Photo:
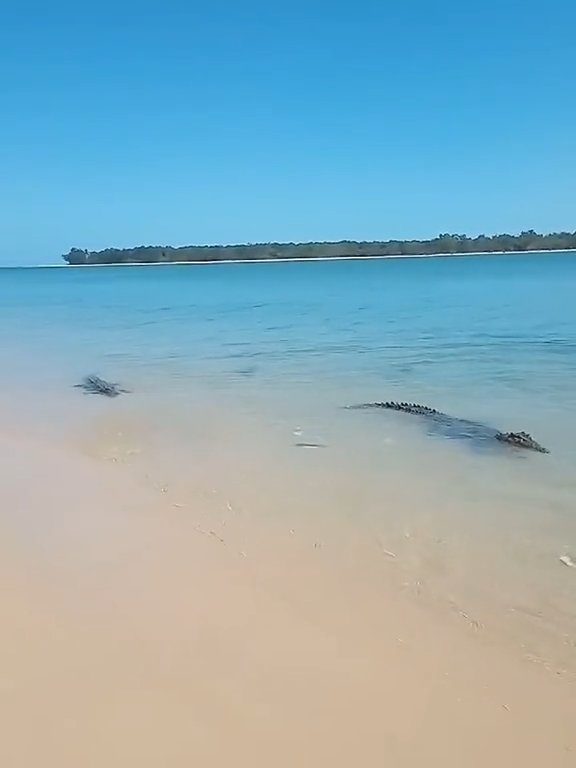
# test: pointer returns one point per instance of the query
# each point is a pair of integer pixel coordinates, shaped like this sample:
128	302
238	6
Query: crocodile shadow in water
94	385
453	427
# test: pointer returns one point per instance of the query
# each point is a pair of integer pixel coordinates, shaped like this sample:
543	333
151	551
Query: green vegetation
443	244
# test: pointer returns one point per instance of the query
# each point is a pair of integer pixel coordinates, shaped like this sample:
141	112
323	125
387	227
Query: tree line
443	244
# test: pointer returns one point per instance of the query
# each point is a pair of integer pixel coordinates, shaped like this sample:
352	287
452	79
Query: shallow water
232	366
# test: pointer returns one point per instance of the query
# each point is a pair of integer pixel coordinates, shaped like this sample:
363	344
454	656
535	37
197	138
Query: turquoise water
478	336
487	318
284	346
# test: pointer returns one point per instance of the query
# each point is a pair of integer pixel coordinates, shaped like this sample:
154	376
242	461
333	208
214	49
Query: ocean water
240	373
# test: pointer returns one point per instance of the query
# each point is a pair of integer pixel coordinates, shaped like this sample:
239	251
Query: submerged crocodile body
451	426
94	385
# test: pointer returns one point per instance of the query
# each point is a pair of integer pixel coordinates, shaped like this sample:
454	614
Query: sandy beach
320	514
134	632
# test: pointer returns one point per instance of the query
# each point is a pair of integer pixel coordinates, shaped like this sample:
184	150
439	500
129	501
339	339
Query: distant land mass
443	244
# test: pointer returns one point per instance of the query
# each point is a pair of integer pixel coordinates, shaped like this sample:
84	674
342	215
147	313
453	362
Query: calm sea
276	350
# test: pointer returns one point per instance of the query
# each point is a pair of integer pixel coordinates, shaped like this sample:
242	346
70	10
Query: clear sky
126	123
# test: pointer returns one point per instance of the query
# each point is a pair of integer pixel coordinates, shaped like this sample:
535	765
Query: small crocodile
94	385
451	426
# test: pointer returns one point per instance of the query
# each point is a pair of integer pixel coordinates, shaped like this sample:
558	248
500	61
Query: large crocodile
94	385
451	426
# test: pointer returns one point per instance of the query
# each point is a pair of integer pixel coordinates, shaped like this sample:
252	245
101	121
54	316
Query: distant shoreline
442	245
206	262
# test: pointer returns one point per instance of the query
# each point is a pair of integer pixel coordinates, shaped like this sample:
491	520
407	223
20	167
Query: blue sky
184	122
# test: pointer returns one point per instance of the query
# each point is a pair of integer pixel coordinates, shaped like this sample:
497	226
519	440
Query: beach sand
137	633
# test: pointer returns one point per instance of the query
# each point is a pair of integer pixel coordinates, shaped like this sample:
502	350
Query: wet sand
142	626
